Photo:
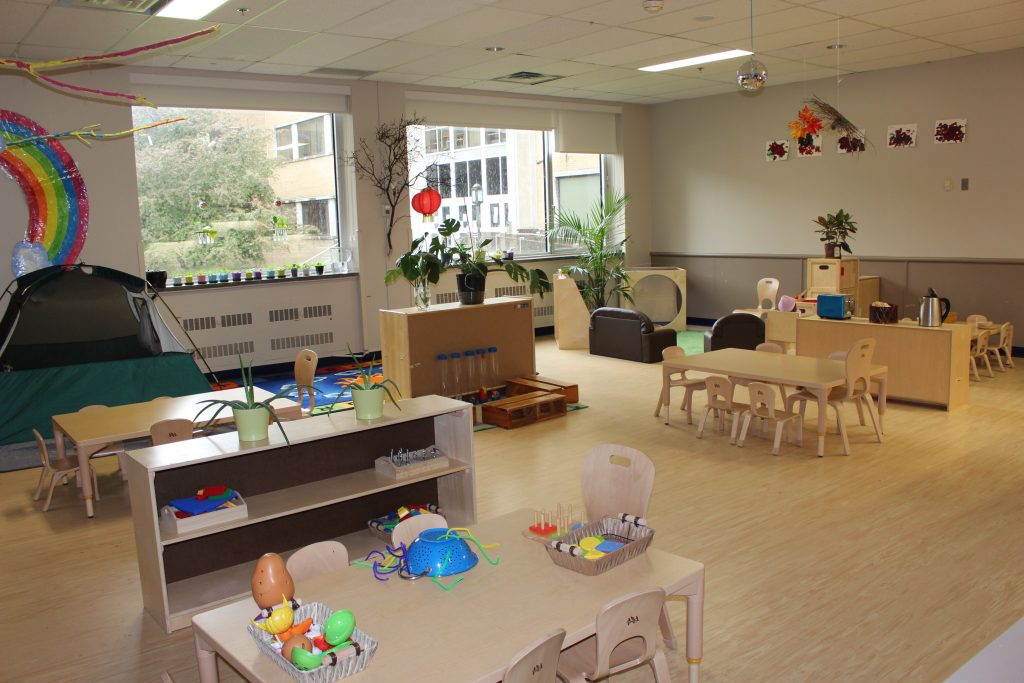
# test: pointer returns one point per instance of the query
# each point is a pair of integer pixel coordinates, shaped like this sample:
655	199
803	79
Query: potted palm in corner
598	270
252	417
835	230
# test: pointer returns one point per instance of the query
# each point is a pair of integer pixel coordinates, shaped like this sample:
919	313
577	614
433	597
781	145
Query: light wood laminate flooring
896	563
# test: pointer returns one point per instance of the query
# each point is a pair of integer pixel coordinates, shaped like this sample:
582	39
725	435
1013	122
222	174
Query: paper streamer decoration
33	68
58	204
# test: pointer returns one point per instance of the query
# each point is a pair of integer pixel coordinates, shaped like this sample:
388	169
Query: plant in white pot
252	417
368	394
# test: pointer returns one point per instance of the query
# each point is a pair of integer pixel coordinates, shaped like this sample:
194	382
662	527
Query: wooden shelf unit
322	487
411	340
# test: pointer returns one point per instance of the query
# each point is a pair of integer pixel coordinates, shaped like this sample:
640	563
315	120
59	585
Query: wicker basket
565	552
379	525
346	666
886	315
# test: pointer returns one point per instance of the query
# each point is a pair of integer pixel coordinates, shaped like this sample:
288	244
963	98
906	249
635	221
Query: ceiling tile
276	69
18	20
826	33
935	55
228	12
544	32
607	39
395	77
314	16
737	33
567	68
853	8
493	66
250	44
973	35
400	17
96	30
903	47
386	56
968	20
192	62
923	10
617	12
818	49
442	62
644	53
445	82
1007	43
556	8
471	26
322	49
719	11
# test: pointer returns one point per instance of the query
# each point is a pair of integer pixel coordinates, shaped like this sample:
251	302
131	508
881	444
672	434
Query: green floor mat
692	341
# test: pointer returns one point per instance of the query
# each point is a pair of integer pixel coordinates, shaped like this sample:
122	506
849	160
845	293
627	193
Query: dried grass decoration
834	119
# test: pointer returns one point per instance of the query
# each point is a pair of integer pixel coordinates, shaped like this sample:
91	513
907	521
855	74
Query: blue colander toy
439	552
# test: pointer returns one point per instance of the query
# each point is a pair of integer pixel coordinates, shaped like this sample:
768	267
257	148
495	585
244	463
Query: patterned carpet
331	383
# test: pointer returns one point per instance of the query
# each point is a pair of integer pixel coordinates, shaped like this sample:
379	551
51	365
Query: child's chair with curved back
316	559
626	638
620	479
538	661
410	528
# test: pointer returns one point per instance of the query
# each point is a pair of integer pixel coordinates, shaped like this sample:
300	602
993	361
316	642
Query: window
520	179
233	190
304	139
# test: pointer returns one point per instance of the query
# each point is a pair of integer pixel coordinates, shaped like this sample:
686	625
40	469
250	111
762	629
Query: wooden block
570	391
517	411
524	385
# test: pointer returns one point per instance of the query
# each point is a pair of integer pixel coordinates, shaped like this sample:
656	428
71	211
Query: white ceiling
596	45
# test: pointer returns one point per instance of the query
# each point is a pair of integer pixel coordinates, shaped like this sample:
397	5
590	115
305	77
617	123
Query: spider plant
599	267
250	402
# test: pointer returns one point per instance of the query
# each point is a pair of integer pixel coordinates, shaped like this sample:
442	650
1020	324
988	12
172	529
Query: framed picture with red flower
902	136
776	150
950	131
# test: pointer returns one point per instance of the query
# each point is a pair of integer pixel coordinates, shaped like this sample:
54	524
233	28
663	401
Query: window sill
264	281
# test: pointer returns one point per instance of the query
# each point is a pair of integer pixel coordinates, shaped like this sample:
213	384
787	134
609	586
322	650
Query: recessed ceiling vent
351	74
527	78
130	6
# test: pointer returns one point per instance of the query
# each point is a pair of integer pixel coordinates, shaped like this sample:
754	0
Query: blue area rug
331	384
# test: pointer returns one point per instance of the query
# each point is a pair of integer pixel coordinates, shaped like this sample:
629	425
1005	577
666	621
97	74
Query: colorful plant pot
236	276
369	403
280	272
224	277
319	270
271	274
202	279
188	279
257	274
295	272
252	424
178	280
248	275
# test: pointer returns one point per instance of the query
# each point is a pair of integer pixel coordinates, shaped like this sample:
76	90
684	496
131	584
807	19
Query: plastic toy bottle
482	380
471	382
455	358
494	374
442	364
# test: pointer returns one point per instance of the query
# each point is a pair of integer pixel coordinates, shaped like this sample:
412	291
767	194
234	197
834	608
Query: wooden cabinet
324	486
411	340
926	364
833	275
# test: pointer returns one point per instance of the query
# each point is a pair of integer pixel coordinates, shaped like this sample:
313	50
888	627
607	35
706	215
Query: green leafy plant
598	270
250	401
427	260
836	229
365	381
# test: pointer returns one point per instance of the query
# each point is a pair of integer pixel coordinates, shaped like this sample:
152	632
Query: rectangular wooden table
470	634
91	430
817	375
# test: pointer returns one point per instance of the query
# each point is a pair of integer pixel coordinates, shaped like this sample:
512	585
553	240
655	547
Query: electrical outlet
947	185
386	210
965	184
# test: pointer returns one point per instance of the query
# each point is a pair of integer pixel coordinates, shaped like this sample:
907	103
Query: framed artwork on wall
776	150
901	136
950	131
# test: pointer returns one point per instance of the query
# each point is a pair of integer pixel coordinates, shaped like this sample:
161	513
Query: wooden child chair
58	469
410	528
675	377
980	352
1003	346
305	370
626	638
720	391
538	661
169	431
316	559
762	405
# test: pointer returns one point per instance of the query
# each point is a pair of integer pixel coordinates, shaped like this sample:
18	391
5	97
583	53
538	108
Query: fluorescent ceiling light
692	61
189	9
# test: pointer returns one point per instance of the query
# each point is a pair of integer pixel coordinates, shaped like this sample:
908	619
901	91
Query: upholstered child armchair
735	331
628	334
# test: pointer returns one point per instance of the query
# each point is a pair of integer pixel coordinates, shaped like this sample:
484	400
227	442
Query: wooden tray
518	411
525	385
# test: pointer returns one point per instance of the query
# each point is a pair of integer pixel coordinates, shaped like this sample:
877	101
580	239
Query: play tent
79	335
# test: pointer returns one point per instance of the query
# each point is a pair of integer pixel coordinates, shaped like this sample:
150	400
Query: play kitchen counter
323	486
926	364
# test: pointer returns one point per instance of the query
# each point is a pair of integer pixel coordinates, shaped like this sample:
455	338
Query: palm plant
599	267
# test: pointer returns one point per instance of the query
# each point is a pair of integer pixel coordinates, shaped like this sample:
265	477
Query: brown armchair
735	331
628	334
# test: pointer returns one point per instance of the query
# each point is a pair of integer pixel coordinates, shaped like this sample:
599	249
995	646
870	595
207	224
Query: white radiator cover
268	322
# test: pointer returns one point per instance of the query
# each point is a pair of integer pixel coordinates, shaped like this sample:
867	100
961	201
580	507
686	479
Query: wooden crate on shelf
524	409
524	385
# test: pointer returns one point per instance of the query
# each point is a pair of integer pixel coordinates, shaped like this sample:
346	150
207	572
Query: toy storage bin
346	666
627	527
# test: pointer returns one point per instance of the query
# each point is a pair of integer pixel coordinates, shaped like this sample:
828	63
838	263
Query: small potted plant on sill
252	418
281	272
213	278
224	276
188	278
236	276
249	274
257	274
295	269
201	277
368	393
178	280
305	269
835	230
319	267
271	273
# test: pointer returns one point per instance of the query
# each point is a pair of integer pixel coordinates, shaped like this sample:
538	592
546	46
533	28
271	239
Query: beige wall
715	193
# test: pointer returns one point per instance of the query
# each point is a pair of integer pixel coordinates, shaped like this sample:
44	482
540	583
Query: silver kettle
934	310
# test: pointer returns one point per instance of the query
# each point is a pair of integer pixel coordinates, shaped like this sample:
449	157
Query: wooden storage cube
833	275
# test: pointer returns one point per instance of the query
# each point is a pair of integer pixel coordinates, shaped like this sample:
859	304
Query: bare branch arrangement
385	162
833	118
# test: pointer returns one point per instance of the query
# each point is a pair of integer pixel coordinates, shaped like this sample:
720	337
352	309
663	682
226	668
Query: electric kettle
934	310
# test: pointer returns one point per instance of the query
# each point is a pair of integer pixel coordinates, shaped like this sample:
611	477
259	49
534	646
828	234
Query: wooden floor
897	563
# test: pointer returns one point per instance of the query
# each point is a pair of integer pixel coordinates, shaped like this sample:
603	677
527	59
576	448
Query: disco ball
752	75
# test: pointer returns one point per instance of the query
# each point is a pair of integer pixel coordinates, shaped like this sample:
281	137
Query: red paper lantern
427	202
